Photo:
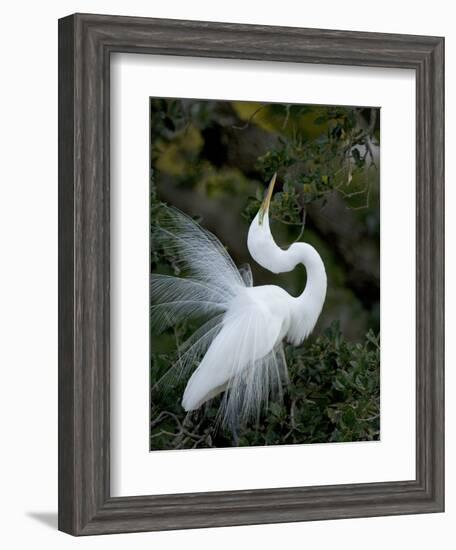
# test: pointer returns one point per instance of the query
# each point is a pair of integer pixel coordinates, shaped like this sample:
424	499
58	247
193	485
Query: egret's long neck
306	308
303	253
268	254
308	305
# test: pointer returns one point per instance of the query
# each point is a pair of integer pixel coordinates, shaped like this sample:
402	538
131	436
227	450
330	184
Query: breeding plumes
239	345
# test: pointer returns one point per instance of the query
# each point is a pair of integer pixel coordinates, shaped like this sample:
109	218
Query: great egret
240	344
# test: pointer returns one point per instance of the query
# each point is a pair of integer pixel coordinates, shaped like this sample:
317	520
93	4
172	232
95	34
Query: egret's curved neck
303	253
308	305
306	308
268	254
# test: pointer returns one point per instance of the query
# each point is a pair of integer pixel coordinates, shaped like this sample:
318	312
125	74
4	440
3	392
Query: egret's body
241	345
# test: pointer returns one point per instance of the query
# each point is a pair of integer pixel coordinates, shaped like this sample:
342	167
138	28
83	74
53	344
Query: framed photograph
251	289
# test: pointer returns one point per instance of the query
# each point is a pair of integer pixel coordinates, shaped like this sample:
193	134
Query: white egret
240	344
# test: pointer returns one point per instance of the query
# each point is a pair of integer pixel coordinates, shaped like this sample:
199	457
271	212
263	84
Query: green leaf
275	409
349	417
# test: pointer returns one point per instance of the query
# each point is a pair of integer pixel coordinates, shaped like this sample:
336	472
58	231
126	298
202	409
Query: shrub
333	395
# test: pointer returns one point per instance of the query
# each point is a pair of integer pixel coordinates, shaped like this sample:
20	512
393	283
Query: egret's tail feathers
250	394
246	359
246	395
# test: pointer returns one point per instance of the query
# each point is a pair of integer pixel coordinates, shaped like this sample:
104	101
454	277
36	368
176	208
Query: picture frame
85	45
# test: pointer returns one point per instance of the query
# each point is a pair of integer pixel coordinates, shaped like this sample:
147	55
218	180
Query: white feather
250	333
240	344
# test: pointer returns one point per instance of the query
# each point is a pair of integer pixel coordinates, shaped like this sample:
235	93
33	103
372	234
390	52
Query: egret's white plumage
240	343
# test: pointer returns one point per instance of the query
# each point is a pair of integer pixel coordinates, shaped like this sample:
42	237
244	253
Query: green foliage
333	396
334	156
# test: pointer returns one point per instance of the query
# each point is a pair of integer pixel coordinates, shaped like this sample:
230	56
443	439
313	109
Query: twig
292	414
287	116
303	225
249	120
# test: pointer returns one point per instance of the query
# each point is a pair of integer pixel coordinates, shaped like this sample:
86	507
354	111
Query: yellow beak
267	199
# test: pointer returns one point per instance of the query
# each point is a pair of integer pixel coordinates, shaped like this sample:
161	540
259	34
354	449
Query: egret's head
260	241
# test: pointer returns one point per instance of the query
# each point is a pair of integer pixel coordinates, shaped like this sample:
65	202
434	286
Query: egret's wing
212	282
197	251
246	357
212	279
175	299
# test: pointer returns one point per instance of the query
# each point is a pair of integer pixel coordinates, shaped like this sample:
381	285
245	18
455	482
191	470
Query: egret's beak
267	199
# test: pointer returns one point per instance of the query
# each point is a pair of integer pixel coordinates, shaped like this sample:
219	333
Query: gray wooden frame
85	45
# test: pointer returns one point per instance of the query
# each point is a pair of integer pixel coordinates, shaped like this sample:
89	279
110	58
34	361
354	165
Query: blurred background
213	160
